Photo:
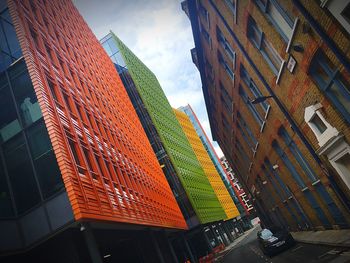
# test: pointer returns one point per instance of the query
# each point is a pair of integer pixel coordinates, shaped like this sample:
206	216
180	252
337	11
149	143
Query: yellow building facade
207	165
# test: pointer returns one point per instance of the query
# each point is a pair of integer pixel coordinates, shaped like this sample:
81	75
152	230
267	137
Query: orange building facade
109	171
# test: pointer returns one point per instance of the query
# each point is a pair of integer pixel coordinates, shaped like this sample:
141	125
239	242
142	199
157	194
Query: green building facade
191	175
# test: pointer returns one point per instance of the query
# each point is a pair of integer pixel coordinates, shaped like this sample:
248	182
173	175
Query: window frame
251	107
252	26
335	78
264	8
233	7
247	79
225	65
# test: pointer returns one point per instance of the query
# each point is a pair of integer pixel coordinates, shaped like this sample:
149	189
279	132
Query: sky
160	34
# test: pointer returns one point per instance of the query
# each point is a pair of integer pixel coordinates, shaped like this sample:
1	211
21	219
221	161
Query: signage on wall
291	63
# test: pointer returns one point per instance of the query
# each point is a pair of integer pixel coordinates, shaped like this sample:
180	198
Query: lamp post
260	99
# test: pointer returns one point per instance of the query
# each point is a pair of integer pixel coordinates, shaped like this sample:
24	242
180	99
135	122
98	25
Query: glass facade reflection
9	46
28	168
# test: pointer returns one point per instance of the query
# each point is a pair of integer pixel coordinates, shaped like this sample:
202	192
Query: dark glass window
319	124
9	124
26	100
44	159
9	46
12	41
6	209
21	174
74	151
331	82
346	13
3	5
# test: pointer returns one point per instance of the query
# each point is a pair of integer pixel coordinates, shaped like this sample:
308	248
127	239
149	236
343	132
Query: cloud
160	34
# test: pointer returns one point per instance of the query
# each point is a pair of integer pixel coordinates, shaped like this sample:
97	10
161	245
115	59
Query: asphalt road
248	251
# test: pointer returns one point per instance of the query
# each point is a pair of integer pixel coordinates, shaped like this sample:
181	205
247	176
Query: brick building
275	78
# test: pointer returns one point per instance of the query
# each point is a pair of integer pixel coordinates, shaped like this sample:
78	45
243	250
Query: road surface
248	251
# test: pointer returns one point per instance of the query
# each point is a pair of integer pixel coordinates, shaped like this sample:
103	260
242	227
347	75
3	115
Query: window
328	78
318	123
246	128
24	187
304	224
25	97
206	36
242	152
6	209
44	159
288	164
332	207
226	46
248	142
250	106
323	131
205	14
253	87
9	45
319	212
232	6
226	66
9	124
297	154
74	151
340	9
278	16
273	182
226	99
344	162
277	177
209	71
226	124
257	37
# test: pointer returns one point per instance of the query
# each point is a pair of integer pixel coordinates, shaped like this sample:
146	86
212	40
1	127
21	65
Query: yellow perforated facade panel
207	165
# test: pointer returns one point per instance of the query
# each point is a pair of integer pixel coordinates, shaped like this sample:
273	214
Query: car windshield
265	234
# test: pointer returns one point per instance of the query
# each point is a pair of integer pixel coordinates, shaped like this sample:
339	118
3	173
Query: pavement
326	237
246	249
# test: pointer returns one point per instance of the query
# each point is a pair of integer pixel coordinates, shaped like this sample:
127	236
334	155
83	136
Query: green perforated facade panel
188	168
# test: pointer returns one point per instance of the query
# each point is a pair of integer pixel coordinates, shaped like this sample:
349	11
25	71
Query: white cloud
160	34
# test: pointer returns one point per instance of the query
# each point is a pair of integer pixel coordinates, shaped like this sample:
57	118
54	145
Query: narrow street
248	251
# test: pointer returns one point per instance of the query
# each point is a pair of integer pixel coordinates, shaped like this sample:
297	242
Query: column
91	243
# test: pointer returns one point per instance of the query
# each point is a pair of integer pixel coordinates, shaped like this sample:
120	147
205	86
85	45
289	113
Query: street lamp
260	99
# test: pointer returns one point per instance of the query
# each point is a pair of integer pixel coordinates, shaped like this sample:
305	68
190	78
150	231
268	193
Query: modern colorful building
196	197
207	165
275	77
79	180
215	159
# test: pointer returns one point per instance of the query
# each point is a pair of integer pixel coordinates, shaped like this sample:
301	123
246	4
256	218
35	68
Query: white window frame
328	134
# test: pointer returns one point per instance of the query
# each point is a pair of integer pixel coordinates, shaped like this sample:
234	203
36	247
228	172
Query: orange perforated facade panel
108	166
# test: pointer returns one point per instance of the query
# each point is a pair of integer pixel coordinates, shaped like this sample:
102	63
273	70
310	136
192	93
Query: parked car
274	240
